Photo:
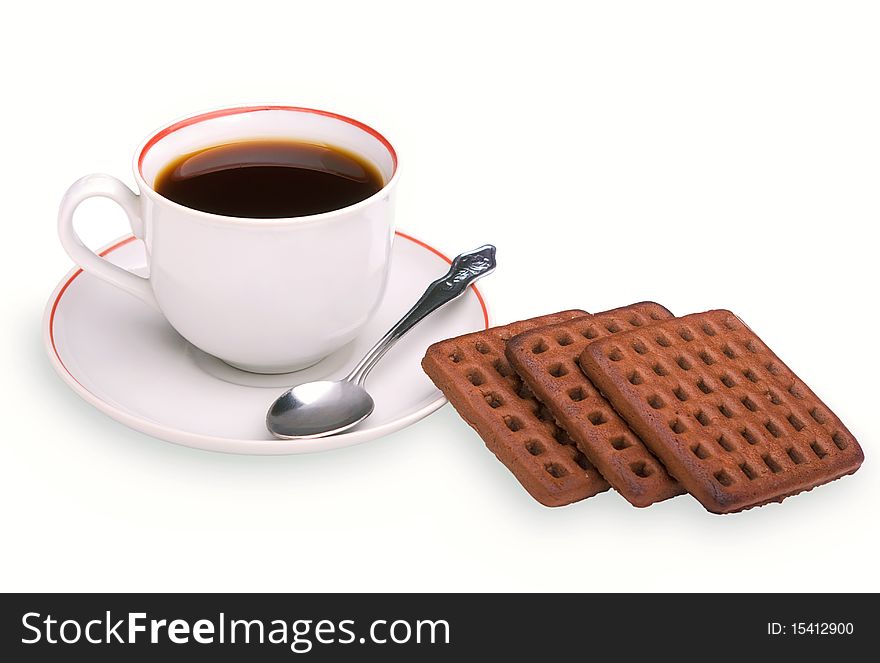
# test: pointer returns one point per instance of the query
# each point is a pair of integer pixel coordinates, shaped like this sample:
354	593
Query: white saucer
123	358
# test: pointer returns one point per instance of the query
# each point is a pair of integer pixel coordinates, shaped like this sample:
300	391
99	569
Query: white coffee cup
264	295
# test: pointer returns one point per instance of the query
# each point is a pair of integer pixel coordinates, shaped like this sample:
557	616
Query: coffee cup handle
103	186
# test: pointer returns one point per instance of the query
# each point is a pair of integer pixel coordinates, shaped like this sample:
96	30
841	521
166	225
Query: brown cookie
473	373
546	359
729	420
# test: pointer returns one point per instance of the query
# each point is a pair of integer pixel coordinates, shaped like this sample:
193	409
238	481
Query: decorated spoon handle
465	269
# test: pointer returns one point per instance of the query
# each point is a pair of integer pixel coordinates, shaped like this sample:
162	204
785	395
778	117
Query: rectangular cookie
729	420
473	373
546	359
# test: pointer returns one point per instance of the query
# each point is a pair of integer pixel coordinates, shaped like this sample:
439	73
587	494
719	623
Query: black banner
325	627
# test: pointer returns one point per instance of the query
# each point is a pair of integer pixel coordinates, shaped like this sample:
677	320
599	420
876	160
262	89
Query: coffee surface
268	179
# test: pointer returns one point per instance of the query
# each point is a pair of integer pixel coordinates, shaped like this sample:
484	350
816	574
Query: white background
700	154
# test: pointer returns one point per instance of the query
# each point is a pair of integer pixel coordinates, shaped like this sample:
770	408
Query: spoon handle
465	269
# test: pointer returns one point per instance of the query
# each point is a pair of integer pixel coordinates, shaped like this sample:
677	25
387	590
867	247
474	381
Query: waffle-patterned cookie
729	420
473	373
546	359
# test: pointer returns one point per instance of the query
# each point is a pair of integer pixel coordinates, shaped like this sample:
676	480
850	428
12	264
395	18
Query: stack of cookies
651	405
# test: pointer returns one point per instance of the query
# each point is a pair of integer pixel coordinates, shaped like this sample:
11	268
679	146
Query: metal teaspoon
318	409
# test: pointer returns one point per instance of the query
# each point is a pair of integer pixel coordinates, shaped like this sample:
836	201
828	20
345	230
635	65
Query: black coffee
269	179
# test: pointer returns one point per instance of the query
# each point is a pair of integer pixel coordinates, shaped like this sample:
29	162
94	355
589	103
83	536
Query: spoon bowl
316	409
